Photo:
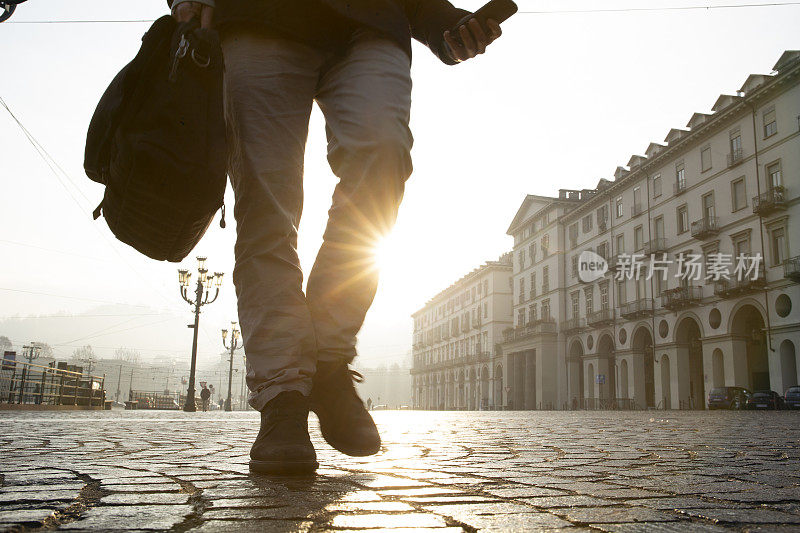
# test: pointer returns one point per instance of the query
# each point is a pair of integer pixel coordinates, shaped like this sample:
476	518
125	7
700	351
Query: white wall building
728	184
456	363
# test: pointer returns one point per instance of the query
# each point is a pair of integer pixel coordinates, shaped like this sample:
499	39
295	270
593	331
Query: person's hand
473	39
184	12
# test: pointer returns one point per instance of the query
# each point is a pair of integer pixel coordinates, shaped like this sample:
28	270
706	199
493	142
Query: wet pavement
437	471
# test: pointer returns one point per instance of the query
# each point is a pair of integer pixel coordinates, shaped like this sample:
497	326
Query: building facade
456	360
726	187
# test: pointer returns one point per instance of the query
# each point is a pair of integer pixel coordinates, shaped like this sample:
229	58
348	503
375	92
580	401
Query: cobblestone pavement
620	471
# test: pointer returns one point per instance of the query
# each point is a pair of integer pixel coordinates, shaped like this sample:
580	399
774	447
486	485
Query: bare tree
5	343
45	350
128	355
84	353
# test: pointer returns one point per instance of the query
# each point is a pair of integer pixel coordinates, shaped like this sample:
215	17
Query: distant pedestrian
369	404
205	395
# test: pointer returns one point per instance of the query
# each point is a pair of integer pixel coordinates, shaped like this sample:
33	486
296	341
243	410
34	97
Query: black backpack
157	142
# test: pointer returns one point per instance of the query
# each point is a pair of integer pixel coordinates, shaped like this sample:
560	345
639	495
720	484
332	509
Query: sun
386	254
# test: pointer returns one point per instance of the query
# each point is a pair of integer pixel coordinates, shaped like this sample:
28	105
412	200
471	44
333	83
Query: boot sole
348	448
283	468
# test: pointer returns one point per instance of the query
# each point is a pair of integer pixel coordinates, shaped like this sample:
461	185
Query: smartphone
498	10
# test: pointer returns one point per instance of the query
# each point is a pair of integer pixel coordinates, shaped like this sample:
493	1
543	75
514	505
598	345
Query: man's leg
366	99
269	87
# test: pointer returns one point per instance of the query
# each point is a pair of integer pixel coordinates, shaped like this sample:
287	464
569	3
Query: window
658	227
573	233
545	308
602	250
532	311
778	246
741	244
587	223
656	186
545	245
619	207
708	206
638	238
532	251
522	259
486	310
736	144
575	266
620	243
774	175
545	279
602	217
576	303
637	196
770	125
641	289
604	296
486	286
658	284
705	158
738	194
521	317
533	284
588	294
622	298
683	219
521	290
680	176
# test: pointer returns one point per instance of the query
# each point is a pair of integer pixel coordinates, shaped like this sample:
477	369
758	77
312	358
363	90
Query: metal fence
24	383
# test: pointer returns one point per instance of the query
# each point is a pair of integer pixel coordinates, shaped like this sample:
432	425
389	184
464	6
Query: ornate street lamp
202	293
235	334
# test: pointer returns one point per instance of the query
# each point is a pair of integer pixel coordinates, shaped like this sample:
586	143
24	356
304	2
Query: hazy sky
559	101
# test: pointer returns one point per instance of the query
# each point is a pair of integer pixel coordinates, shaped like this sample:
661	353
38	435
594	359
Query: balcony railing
679	187
773	199
532	328
791	269
636	210
681	297
26	383
727	288
704	228
573	324
601	317
637	309
655	247
735	157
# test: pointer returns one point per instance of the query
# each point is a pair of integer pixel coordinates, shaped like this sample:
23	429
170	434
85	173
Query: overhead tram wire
54	167
524	12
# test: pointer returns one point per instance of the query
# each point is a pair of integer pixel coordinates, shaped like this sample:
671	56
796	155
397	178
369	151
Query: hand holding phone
472	34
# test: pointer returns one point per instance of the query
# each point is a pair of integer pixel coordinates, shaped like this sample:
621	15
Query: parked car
766	399
792	398
728	398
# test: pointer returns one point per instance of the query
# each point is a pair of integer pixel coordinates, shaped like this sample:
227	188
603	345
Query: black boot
345	423
283	446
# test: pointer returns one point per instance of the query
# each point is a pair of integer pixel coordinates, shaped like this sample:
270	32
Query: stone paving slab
623	472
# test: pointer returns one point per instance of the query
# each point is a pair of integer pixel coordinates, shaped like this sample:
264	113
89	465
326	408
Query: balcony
573	324
704	228
655	247
679	187
601	318
728	288
531	329
791	269
636	210
637	309
768	202
681	297
735	157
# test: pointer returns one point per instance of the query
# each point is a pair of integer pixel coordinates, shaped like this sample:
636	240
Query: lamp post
235	334
205	284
